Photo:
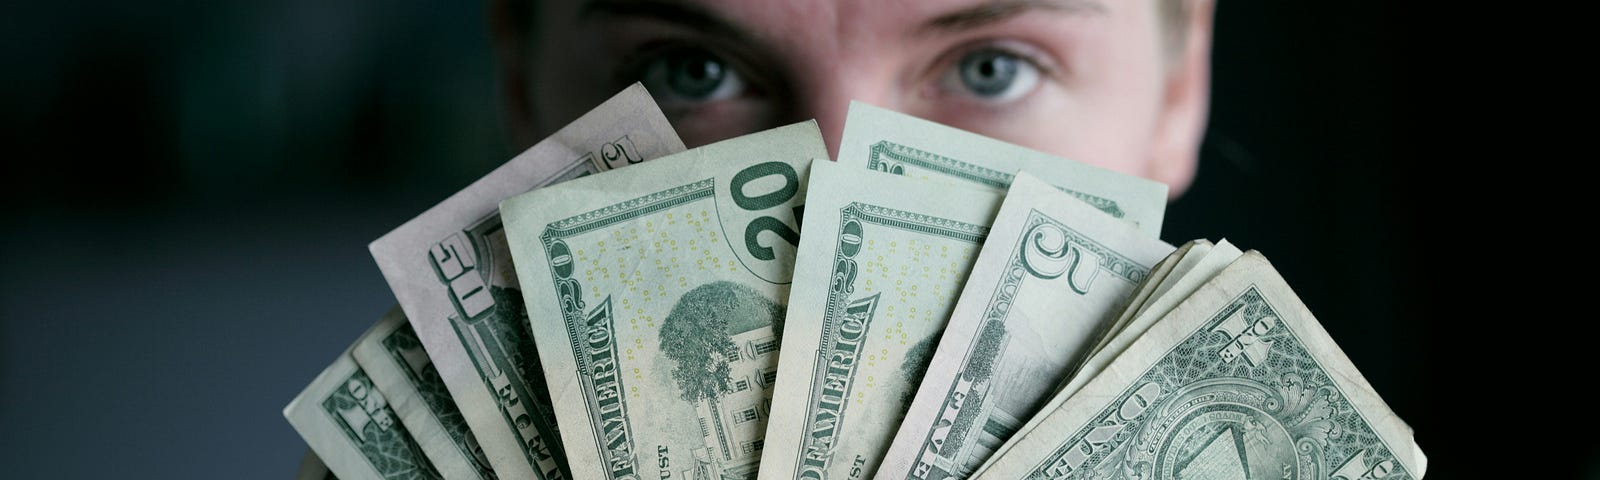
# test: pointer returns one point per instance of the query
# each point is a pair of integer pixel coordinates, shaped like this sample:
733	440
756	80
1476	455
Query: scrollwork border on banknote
998	311
1283	381
569	293
839	307
972	172
541	447
1110	260
394	435
431	390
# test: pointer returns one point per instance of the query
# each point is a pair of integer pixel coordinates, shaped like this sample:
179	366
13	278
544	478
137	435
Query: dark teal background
189	188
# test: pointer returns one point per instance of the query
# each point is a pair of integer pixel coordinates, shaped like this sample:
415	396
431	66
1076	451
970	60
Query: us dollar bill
399	367
1193	265
880	265
452	273
351	428
1142	295
1053	272
887	141
1238	381
656	294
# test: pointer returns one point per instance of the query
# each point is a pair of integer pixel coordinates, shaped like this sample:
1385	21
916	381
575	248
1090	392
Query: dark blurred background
189	189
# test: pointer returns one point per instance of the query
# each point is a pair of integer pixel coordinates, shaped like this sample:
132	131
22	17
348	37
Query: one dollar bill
350	426
1238	381
452	273
656	294
394	359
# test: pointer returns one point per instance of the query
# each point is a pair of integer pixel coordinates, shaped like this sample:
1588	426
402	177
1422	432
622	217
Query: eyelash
1047	68
631	67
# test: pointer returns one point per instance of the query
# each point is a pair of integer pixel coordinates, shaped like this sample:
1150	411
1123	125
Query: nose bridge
827	94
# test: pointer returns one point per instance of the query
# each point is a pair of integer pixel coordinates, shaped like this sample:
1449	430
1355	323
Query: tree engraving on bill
405	349
969	425
659	292
492	326
846	323
702	338
1242	397
891	157
689	335
630	275
372	427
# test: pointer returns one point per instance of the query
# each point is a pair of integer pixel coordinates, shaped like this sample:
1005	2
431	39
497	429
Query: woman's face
1097	81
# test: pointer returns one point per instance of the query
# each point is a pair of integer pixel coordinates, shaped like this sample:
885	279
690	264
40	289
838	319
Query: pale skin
1111	83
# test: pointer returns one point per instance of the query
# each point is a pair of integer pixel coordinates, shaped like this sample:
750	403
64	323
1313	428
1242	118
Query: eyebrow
689	15
999	10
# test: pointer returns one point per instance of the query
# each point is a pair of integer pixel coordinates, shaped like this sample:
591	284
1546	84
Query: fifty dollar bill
453	276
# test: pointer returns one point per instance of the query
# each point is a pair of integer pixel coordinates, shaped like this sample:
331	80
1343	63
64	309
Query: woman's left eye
992	75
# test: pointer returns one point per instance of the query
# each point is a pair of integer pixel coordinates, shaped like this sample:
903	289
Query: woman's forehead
843	18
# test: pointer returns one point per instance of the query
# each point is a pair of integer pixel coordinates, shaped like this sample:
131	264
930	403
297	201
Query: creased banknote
882	261
394	359
453	276
1237	381
349	425
656	295
886	141
1054	272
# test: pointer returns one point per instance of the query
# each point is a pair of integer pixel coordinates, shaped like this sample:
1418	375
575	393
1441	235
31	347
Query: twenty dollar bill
656	294
886	141
881	264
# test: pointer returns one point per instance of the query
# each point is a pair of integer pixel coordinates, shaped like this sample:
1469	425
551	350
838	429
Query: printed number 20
791	185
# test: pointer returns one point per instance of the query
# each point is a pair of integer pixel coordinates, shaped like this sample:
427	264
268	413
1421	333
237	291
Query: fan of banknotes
932	305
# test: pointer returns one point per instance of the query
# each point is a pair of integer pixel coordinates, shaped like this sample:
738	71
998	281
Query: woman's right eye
691	76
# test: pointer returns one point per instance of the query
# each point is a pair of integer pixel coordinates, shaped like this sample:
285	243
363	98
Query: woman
1121	84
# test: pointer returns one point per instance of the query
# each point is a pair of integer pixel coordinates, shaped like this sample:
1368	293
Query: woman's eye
992	75
691	76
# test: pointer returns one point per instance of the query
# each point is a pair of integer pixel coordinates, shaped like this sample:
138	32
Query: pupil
988	73
697	75
698	70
